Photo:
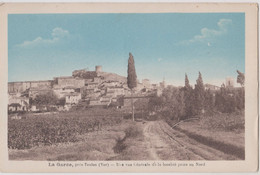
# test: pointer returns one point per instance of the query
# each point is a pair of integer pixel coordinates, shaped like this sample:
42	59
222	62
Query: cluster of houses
90	87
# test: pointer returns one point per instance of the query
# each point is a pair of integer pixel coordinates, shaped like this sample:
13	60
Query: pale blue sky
43	46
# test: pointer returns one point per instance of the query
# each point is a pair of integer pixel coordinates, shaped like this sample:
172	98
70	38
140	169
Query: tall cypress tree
188	98
199	95
187	83
131	79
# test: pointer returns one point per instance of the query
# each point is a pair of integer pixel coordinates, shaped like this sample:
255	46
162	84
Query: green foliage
133	131
141	105
230	100
131	74
224	122
240	98
181	103
61	101
155	104
209	101
131	79
170	104
188	99
180	108
45	99
187	82
199	93
240	78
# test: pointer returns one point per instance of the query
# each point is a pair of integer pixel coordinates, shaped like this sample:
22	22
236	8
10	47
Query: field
228	128
89	135
47	129
225	132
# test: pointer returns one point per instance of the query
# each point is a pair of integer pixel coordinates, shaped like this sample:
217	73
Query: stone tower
98	69
230	82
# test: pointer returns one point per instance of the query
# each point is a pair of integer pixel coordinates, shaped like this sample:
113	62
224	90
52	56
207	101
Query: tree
180	108
241	78
155	104
131	79
173	107
187	82
226	100
61	101
209	100
188	98
45	99
142	105
199	95
240	98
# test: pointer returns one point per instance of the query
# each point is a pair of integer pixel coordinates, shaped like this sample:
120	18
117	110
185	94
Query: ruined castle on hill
78	79
96	88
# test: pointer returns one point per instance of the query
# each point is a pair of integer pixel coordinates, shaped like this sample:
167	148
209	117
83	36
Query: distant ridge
106	76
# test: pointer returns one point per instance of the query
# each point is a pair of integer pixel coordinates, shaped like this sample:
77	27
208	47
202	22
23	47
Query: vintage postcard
129	87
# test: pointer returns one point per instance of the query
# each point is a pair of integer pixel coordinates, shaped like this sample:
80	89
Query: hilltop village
87	88
92	88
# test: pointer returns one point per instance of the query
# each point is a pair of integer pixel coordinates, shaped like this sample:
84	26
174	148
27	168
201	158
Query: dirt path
165	143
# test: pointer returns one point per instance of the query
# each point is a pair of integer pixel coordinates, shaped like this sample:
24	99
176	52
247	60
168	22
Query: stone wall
70	81
15	87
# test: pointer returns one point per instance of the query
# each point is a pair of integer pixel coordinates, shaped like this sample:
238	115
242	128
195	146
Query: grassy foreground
97	145
122	141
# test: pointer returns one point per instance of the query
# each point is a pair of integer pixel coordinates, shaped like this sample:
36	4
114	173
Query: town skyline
167	47
139	80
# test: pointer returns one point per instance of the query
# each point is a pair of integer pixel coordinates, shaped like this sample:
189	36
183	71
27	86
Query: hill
112	77
107	76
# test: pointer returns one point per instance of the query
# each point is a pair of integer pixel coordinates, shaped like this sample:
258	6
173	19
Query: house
88	81
69	81
95	94
106	99
90	90
18	103
146	83
155	86
92	85
94	102
111	83
115	91
211	87
25	85
63	91
72	98
114	99
97	79
229	82
159	92
34	108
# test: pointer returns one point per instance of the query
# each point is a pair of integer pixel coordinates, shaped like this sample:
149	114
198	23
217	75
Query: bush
230	100
133	131
224	122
